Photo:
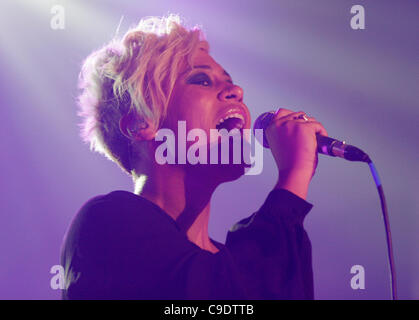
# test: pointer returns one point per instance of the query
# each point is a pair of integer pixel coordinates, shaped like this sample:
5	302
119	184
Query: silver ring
303	116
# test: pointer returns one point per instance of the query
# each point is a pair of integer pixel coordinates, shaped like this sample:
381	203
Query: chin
219	172
216	174
227	172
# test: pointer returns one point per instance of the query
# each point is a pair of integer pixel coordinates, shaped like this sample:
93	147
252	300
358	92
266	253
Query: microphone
325	145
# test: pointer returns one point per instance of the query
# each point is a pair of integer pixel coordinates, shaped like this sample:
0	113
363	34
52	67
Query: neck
181	193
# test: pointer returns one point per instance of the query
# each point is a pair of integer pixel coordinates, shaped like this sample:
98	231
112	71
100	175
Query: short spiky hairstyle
134	74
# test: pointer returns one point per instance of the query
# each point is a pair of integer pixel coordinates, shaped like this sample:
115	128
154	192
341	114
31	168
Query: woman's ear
135	128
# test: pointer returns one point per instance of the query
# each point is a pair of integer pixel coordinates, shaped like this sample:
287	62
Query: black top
122	246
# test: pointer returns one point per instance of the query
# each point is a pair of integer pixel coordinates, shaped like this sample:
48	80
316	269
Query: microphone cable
393	282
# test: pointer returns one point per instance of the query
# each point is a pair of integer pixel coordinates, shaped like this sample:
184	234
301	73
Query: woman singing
154	243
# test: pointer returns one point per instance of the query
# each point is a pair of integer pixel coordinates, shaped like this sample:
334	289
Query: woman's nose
231	93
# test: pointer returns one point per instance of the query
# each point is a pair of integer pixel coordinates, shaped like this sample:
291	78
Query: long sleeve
272	250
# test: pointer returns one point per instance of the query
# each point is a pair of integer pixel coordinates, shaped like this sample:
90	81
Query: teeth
233	115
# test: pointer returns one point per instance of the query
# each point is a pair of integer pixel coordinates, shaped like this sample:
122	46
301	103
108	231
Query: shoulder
114	219
122	208
116	202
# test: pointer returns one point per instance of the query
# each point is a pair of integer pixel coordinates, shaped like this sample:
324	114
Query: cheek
198	108
196	105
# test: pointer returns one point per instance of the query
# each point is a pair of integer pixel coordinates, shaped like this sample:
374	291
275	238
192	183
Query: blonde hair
134	74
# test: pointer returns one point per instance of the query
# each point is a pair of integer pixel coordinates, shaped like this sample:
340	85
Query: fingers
317	126
284	115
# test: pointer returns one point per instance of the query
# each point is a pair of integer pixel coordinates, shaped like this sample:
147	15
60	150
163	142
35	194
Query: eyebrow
204	66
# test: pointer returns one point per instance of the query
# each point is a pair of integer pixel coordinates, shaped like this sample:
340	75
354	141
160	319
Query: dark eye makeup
200	79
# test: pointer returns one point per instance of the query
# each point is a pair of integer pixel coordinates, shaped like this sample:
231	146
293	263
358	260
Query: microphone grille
262	122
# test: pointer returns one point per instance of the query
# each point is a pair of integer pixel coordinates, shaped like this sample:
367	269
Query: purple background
361	84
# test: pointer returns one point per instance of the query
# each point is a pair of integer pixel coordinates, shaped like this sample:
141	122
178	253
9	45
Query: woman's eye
200	79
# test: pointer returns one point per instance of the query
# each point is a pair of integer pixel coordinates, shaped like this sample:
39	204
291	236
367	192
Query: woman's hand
293	143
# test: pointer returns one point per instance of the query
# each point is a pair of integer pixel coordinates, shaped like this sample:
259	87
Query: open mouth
230	122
